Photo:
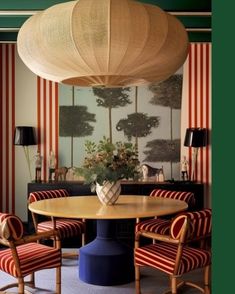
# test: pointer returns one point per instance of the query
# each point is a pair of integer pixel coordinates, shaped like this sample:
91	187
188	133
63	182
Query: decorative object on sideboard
52	165
60	173
25	136
38	167
148	172
106	164
195	138
184	169
103	43
161	176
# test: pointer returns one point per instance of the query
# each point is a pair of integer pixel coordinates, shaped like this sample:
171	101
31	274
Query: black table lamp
25	136
195	138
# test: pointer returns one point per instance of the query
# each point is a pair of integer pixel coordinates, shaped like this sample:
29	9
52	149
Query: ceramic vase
108	193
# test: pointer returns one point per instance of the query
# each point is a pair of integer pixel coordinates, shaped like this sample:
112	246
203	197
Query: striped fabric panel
66	227
11	226
7	126
41	195
32	256
47	121
201	222
162	256
188	197
158	225
196	110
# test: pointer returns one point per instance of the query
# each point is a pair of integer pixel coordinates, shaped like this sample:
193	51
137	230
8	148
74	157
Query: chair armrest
155	236
37	237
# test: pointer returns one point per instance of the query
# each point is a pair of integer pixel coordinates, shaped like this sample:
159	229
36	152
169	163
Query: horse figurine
60	173
149	171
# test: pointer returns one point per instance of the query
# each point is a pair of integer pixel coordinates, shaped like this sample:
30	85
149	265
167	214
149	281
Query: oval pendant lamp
110	43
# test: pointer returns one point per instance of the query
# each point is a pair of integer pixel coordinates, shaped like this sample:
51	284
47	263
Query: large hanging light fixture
103	43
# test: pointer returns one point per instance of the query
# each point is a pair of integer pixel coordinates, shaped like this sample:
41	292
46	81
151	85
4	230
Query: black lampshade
24	136
195	137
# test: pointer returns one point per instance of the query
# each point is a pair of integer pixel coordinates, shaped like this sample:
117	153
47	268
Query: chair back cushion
11	227
200	223
41	195
188	197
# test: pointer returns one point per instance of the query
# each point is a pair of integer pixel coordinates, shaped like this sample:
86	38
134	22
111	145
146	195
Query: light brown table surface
89	207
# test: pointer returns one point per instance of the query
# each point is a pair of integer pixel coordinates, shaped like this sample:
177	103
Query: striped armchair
161	225
24	255
173	254
67	228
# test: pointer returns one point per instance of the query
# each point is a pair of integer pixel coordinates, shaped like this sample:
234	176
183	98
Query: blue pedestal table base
105	261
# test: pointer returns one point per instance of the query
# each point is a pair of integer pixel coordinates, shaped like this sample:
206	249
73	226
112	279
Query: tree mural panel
163	150
137	125
137	114
74	121
112	98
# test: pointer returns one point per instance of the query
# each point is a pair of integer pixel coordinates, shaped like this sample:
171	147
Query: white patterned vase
108	193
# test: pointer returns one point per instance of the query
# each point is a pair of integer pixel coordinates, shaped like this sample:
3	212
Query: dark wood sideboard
124	228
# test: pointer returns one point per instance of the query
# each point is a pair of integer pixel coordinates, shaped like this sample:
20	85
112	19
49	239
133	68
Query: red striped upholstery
32	257
41	195
66	227
11	227
162	256
201	222
173	254
188	197
158	225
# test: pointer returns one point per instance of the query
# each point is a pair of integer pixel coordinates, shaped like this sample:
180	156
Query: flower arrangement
106	161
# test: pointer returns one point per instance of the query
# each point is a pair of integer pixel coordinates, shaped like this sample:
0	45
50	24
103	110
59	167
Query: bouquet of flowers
111	162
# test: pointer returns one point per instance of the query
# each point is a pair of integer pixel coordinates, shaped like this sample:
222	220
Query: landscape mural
146	115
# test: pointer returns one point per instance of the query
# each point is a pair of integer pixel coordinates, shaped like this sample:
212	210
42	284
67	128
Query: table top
89	207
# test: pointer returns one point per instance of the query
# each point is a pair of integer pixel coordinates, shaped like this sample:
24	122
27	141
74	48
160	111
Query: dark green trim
170	5
8	36
181	5
199	36
195	21
193	36
12	21
28	4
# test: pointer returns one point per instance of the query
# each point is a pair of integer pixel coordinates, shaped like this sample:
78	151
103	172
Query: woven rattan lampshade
103	43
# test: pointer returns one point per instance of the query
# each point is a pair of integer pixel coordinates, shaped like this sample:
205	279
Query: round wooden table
105	261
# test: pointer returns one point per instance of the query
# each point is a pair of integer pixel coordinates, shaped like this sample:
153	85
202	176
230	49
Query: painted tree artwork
169	94
137	125
112	98
163	150
75	121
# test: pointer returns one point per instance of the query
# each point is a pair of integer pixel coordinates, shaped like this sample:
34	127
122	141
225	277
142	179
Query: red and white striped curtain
196	108
47	121
7	126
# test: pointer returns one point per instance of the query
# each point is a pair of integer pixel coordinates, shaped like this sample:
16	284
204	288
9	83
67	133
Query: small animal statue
149	171
60	173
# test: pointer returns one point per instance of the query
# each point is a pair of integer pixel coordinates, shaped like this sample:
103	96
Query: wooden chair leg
20	285
137	279
83	239
31	281
58	280
173	285
207	280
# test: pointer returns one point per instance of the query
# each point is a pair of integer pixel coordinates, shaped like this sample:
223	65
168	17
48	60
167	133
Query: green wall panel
171	5
12	21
